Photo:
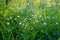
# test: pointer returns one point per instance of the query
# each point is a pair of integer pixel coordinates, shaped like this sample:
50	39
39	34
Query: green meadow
29	19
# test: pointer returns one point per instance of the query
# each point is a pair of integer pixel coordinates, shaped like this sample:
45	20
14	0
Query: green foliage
29	20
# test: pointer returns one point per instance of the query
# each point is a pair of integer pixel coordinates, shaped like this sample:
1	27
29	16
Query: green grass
29	23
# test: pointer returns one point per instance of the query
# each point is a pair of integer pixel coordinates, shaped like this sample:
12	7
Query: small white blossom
20	23
21	34
56	23
8	23
15	18
48	17
32	15
44	23
40	16
53	17
18	16
10	17
36	21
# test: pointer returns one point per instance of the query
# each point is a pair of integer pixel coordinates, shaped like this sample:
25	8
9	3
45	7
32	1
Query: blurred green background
29	19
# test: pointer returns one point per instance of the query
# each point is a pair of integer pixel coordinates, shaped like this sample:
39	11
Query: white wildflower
53	17
8	23
18	16
36	21
56	23
44	23
40	16
15	18
10	17
21	34
32	15
20	23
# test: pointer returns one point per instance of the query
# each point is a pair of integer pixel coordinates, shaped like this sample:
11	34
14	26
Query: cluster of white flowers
36	21
8	23
34	16
12	18
9	18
